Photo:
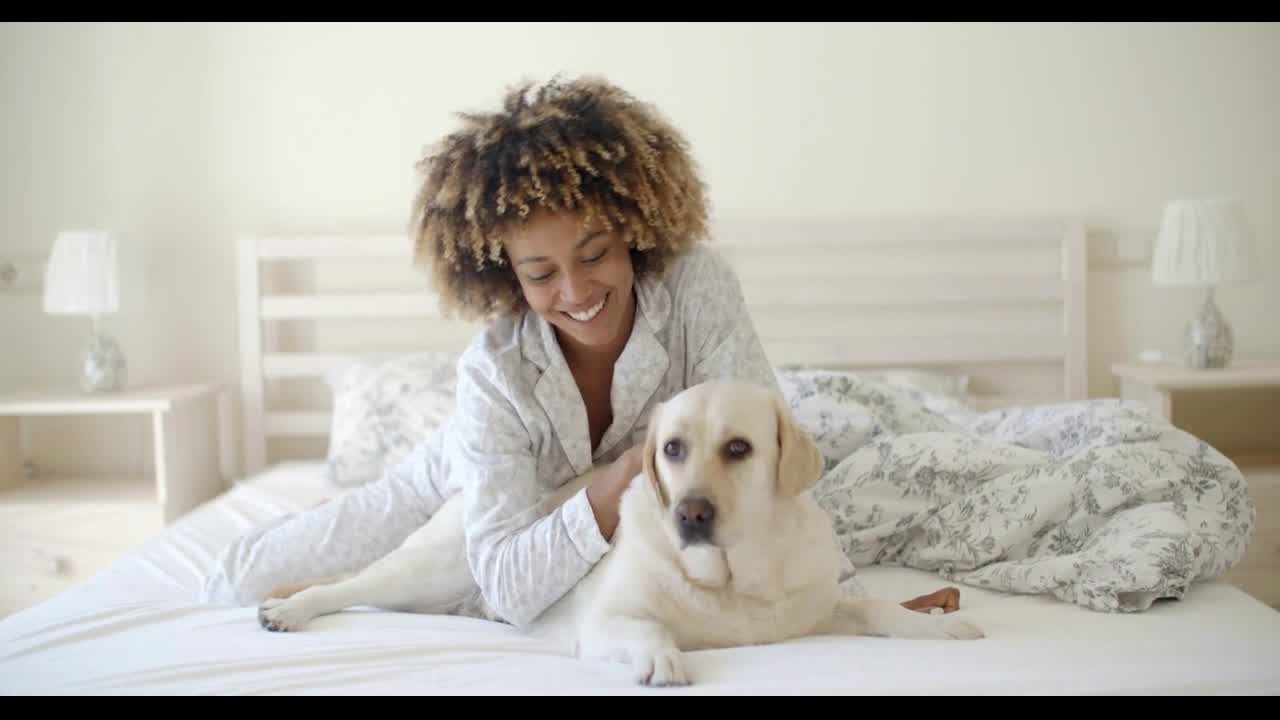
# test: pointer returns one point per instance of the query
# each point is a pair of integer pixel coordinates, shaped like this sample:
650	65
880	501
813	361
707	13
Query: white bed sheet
136	629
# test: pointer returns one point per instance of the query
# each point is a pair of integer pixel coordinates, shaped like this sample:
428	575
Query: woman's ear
649	462
800	462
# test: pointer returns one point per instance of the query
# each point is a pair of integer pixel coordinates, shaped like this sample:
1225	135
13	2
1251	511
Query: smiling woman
571	222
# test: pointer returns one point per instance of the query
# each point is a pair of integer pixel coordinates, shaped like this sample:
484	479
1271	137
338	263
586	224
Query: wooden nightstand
1236	410
57	530
1157	383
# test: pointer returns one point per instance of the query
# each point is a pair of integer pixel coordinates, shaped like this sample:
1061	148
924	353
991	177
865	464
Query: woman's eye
738	448
673	449
540	278
597	257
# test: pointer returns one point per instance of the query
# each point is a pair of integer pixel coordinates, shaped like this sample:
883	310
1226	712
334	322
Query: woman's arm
605	492
523	563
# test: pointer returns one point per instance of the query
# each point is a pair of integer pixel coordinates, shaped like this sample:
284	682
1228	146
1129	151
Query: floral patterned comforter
1099	503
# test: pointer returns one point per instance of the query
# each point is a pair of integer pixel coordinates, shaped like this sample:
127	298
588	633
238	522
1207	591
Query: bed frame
1000	299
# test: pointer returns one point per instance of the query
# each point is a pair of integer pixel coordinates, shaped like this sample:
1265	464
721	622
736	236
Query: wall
182	136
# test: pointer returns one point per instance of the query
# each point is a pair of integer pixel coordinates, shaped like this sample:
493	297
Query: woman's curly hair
584	146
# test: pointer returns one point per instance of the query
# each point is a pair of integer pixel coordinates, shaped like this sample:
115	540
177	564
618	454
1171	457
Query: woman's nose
575	288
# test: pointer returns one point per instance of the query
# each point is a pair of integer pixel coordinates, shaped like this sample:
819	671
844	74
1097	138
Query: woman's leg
338	537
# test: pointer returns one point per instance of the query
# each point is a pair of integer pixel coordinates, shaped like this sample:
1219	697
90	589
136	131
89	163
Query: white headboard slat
999	298
252	403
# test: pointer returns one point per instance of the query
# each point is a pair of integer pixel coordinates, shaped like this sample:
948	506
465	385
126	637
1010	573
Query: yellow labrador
720	544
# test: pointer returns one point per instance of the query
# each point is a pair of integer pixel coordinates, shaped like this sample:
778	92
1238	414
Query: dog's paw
960	628
279	615
661	669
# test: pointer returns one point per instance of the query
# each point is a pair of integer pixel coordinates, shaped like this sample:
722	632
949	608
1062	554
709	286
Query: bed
973	328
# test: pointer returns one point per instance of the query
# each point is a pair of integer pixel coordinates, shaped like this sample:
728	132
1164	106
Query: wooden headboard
1000	299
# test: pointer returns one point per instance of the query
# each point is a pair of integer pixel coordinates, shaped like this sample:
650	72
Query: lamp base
103	368
1207	342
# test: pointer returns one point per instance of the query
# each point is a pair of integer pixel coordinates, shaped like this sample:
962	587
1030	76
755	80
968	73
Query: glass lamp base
1207	342
103	368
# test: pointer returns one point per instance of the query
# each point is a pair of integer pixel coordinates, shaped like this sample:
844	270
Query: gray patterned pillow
381	411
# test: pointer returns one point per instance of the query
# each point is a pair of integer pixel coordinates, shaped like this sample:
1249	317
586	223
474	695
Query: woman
570	221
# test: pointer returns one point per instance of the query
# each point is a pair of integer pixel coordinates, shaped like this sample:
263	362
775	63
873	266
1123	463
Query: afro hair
585	147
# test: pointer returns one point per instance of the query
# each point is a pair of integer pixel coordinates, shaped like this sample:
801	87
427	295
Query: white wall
182	136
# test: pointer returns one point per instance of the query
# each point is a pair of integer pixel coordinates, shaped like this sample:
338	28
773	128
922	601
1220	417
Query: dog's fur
764	568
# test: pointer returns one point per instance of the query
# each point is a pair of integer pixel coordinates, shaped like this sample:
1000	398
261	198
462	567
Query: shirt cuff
584	531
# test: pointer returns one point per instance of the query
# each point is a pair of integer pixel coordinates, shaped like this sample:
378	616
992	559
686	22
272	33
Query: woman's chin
587	338
600	334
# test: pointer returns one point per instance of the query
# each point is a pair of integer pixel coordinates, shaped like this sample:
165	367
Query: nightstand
1236	410
1156	383
57	530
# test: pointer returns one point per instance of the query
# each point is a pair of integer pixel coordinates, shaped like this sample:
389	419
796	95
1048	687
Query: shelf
64	401
81	490
1169	376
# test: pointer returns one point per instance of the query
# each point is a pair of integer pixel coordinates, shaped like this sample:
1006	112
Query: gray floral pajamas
518	431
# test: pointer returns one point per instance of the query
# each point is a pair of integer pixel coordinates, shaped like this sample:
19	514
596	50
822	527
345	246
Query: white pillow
942	392
381	411
950	385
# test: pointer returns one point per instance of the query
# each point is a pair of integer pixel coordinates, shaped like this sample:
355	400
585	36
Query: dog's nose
694	516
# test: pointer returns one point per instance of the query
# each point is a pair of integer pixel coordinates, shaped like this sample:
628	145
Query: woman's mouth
590	313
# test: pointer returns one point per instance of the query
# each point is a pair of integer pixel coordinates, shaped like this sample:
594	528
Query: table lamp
83	278
1204	243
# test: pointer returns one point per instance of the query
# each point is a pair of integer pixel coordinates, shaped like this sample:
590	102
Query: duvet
1100	503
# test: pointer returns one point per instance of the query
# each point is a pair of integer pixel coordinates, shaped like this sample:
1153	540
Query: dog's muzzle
694	520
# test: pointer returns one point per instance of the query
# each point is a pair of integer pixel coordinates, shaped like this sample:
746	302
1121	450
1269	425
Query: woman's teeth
589	314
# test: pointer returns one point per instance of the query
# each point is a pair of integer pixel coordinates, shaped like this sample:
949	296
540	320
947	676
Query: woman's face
579	281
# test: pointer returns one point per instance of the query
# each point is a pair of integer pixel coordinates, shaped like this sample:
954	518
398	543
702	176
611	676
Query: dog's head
719	456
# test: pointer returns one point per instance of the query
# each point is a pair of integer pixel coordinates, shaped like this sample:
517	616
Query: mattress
136	628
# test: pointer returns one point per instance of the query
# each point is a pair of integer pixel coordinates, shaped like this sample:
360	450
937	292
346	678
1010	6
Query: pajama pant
339	537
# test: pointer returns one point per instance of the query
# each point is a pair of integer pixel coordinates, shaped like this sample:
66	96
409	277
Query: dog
719	544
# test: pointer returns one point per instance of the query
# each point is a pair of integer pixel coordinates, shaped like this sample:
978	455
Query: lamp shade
1203	242
83	274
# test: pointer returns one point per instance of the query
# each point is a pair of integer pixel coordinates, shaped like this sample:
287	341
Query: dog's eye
674	449
737	448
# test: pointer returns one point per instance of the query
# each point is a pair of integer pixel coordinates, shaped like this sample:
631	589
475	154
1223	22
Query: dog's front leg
645	644
884	618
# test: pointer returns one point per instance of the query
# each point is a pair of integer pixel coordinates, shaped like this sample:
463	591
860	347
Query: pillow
945	387
843	410
944	393
953	386
381	411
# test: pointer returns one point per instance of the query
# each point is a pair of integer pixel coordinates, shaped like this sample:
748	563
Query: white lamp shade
1204	242
83	274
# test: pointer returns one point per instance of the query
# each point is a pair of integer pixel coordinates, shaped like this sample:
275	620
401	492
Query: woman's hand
607	487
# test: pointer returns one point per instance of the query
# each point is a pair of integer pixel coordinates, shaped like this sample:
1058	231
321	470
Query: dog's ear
649	463
799	460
